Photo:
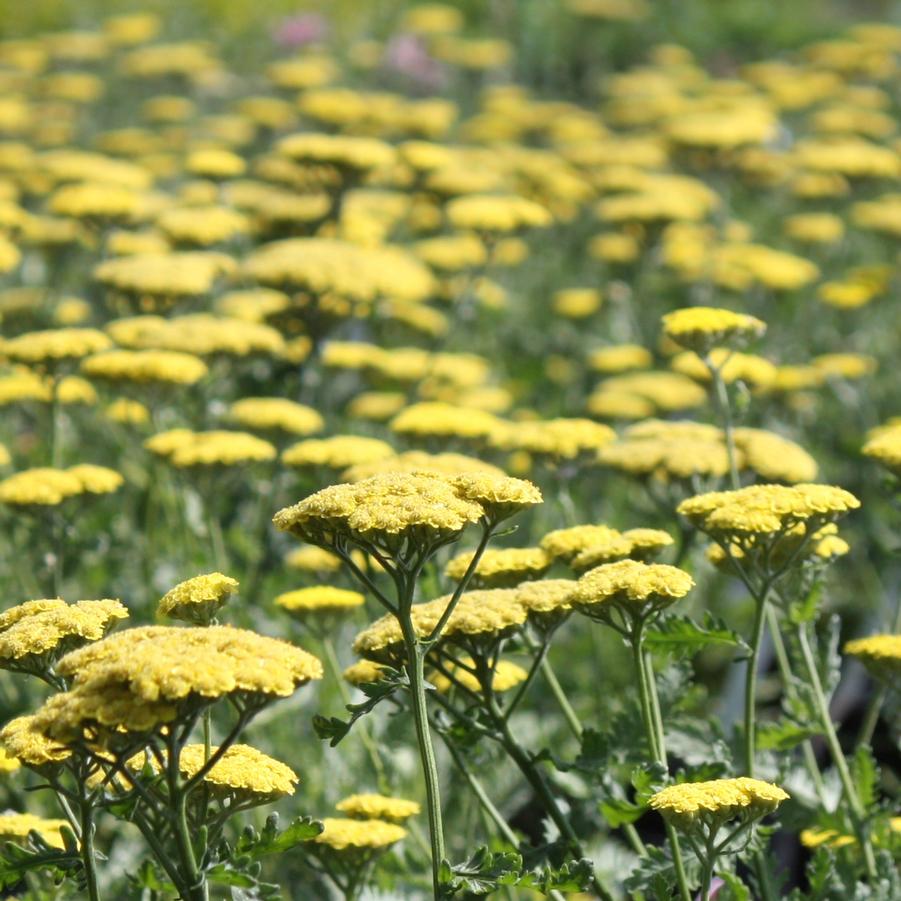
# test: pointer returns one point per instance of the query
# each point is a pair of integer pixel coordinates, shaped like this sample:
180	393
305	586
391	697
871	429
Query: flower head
199	599
348	836
378	807
712	803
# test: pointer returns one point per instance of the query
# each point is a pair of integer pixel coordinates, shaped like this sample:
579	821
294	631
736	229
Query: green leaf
273	841
482	873
783	735
865	775
619	812
333	729
681	636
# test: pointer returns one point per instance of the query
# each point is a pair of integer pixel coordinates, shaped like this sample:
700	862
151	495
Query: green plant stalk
198	887
55	448
572	720
534	777
750	711
481	795
416	673
331	658
855	808
810	760
650	714
88	858
721	401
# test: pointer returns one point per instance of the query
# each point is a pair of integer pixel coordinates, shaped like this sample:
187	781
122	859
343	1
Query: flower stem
750	736
54	422
653	724
572	720
416	673
724	411
855	808
87	849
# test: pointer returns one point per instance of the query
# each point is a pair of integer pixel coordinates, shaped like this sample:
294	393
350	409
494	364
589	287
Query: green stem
750	736
54	422
535	778
479	791
88	857
331	658
416	673
163	858
855	808
782	659
572	720
653	724
721	400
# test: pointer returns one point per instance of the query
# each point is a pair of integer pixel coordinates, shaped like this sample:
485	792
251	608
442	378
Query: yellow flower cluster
506	675
443	464
48	487
500	567
378	807
766	510
702	328
241	770
337	452
54	345
36	632
276	413
319	599
21	739
15	827
139	679
197	600
390	507
690	804
487	612
198	334
884	445
630	585
184	448
349	836
880	653
143	366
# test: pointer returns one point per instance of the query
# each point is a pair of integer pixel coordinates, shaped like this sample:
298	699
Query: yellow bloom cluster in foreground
713	802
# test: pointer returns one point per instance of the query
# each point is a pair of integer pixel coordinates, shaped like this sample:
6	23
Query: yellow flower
363	673
690	804
879	653
761	512
37	632
242	771
496	213
507	675
632	586
441	420
54	345
702	328
344	835
216	163
185	449
199	599
620	358
337	451
355	154
145	366
24	742
378	807
486	612
276	413
319	599
139	679
15	827
500	568
202	226
419	461
556	438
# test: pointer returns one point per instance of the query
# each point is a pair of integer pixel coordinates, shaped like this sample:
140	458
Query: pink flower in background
297	31
715	885
407	55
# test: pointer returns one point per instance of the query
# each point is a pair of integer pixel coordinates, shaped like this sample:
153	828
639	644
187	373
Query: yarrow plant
495	450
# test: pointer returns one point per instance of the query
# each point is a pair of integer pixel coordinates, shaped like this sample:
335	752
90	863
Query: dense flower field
482	474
